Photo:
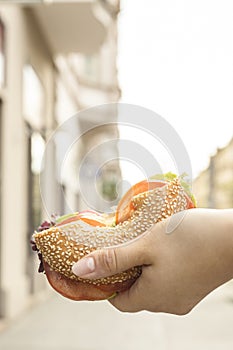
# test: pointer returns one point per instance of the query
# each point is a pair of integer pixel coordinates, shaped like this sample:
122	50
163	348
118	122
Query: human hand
179	269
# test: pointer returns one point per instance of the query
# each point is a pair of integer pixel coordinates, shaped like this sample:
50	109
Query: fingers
130	300
109	261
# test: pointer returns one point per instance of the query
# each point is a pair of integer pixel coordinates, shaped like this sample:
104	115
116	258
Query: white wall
24	44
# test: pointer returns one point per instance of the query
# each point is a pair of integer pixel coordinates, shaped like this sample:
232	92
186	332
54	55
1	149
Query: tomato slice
190	204
126	208
91	221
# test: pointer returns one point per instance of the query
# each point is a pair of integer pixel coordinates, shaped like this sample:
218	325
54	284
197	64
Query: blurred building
214	186
55	59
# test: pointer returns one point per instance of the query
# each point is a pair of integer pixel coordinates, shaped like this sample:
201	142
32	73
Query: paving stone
60	324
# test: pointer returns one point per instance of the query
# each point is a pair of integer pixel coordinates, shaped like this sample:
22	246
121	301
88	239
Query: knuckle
181	311
108	260
185	311
123	309
184	308
128	308
120	305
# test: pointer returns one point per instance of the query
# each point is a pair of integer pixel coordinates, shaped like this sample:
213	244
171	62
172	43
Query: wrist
231	221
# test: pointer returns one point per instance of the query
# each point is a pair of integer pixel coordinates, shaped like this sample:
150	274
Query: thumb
109	261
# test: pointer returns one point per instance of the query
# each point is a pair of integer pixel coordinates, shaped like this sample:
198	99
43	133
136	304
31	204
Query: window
33	111
92	68
2	54
33	98
36	146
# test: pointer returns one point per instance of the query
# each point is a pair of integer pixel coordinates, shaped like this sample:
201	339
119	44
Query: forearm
221	223
179	268
212	239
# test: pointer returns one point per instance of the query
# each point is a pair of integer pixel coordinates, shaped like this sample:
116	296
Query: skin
179	268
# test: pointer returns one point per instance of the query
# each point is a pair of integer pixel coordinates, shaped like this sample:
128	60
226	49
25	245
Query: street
60	324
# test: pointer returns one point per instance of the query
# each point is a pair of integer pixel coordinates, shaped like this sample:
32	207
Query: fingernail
84	266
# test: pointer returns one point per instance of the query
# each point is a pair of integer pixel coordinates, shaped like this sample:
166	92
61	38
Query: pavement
60	324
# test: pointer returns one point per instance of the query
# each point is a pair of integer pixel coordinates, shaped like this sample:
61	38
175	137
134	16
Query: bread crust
64	245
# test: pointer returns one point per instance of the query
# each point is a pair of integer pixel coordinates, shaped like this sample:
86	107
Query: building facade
214	186
52	64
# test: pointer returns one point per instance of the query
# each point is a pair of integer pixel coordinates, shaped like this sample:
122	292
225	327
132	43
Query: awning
69	26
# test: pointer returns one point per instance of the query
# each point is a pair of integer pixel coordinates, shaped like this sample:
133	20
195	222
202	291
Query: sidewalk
64	325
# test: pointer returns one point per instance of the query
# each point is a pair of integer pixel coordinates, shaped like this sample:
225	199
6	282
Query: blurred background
60	57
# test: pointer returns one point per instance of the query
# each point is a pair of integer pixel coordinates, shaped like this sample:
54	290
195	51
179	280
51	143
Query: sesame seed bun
78	290
61	246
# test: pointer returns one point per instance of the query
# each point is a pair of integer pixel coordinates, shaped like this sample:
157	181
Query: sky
176	58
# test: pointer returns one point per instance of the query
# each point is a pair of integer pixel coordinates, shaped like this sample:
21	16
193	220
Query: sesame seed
62	246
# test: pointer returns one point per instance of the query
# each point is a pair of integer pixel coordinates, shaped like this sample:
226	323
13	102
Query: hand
179	269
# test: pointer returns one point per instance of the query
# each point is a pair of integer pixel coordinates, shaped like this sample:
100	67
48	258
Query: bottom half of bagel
82	290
